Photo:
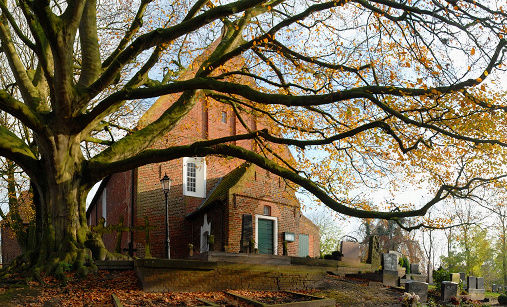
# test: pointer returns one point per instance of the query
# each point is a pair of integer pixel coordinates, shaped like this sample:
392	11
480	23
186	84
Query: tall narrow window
194	177
191	177
224	117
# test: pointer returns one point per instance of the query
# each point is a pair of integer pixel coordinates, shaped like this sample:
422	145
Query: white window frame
275	231
200	180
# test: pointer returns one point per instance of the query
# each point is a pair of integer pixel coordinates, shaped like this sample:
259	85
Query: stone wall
193	276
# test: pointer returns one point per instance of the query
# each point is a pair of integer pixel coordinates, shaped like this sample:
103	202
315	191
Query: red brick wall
309	228
202	122
259	188
10	246
118	200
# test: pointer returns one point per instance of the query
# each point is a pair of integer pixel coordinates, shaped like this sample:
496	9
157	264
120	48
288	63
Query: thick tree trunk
62	240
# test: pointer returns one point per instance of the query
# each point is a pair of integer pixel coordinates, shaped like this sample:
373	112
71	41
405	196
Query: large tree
384	87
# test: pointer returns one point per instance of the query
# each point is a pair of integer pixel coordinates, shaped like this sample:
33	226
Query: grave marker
449	289
472	283
351	252
419	288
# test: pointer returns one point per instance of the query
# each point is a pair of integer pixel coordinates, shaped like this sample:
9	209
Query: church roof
221	191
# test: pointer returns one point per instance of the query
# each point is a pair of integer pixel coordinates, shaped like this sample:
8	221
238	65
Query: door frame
275	231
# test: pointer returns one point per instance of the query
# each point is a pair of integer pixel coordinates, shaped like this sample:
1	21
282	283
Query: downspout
132	198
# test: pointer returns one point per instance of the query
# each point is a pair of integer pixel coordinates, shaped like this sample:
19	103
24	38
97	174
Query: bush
405	263
502	299
336	255
439	276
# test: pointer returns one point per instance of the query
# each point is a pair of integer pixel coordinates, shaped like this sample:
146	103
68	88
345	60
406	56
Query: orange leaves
472	52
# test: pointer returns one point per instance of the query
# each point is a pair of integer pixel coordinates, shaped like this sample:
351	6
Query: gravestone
480	283
351	252
494	288
374	253
472	283
449	289
414	268
390	270
419	288
390	262
462	277
398	255
500	288
390	278
455	277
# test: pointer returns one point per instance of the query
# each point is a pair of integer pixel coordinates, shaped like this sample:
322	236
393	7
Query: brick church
239	204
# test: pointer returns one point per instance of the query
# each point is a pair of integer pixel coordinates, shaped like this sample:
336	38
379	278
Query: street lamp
166	186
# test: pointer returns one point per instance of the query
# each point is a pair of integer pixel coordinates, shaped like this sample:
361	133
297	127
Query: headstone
455	277
351	252
390	278
472	283
449	289
500	288
414	268
494	288
418	277
398	255
419	288
374	253
390	262
462	277
477	294
480	283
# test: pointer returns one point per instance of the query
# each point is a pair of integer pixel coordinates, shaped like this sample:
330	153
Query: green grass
492	294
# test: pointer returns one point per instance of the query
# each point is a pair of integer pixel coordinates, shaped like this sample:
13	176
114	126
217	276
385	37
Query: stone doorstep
315	302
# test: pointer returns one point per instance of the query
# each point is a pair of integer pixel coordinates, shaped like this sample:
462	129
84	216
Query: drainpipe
132	197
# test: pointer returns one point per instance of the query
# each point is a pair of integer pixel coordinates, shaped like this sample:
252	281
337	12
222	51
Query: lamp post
166	186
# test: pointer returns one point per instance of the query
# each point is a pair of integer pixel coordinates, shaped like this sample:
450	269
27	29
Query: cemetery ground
97	290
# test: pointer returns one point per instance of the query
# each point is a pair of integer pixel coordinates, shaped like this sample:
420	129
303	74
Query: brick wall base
194	276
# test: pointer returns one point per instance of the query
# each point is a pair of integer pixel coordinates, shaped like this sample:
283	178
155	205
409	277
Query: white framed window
194	176
224	117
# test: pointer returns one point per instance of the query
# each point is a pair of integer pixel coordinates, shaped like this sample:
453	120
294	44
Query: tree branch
97	168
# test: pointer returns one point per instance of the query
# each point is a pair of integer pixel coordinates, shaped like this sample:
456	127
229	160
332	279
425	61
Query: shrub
502	299
405	263
439	276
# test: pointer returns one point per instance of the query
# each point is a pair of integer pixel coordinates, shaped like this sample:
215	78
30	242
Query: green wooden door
304	246
265	236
